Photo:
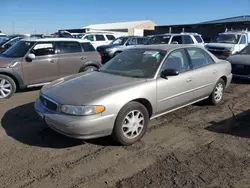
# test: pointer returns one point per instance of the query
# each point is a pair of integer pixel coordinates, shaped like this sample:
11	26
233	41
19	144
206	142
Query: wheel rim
133	124
218	92
5	88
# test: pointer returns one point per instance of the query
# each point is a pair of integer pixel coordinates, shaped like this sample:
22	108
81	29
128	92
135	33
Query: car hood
83	88
239	59
5	61
220	45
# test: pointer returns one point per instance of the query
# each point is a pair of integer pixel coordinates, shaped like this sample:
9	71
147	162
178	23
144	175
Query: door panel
70	63
44	68
174	91
204	72
70	57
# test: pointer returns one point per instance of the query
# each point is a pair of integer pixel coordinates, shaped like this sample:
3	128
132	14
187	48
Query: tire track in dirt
68	166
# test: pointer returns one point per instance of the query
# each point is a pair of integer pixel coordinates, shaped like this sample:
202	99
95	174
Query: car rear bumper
82	127
241	76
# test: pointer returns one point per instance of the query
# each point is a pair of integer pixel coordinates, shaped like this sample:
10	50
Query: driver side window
243	40
43	49
177	60
89	37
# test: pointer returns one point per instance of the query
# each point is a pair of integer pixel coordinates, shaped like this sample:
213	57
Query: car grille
48	103
240	69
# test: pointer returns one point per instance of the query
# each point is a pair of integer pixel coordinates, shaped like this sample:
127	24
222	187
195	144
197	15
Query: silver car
135	86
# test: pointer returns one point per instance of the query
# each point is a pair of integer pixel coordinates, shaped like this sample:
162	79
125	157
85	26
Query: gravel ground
197	146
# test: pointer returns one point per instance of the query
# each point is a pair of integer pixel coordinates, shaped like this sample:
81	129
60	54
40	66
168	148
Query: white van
229	42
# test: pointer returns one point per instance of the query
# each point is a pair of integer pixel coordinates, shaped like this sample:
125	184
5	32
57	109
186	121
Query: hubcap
218	92
133	124
5	88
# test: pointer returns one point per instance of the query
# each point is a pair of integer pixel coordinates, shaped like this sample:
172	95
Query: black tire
118	134
212	98
12	88
116	53
88	69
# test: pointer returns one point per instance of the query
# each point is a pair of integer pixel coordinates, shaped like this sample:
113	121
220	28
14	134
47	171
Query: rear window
110	37
198	38
87	47
69	47
99	38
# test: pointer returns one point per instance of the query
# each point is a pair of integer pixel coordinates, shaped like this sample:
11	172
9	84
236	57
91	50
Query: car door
70	57
90	38
44	67
242	43
100	40
204	72
175	91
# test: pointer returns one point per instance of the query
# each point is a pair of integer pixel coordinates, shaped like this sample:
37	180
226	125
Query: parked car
8	41
135	86
228	43
35	62
98	39
241	63
173	38
118	46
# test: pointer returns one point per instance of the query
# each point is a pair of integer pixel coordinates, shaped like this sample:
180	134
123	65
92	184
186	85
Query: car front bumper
82	127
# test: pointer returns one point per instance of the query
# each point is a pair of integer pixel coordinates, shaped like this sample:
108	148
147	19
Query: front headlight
108	49
82	110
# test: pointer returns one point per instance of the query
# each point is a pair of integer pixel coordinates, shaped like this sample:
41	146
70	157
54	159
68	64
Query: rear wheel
216	96
131	124
89	69
7	87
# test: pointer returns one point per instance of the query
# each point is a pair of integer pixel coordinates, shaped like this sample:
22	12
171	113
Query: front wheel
7	87
216	96
131	124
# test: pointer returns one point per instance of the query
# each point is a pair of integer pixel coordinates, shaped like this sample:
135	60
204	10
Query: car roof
165	46
55	40
176	34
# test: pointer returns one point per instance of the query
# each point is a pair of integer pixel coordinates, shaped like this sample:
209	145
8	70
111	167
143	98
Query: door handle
215	71
83	58
189	80
53	61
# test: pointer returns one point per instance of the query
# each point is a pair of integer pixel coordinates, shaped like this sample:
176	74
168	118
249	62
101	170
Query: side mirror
30	57
174	42
169	72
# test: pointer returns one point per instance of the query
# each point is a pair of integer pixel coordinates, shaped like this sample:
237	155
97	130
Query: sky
47	16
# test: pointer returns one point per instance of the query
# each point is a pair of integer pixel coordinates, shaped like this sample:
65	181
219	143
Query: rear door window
68	47
99	38
177	39
87	47
199	57
198	38
187	39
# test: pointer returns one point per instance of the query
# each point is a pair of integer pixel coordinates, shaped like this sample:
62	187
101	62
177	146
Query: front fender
14	74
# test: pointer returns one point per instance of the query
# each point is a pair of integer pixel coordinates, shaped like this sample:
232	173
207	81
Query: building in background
135	28
210	29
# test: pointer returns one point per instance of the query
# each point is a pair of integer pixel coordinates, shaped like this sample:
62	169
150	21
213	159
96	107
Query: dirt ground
197	146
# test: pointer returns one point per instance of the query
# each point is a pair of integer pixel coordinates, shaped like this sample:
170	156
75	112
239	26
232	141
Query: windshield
120	40
245	51
163	39
227	38
19	49
3	40
134	63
